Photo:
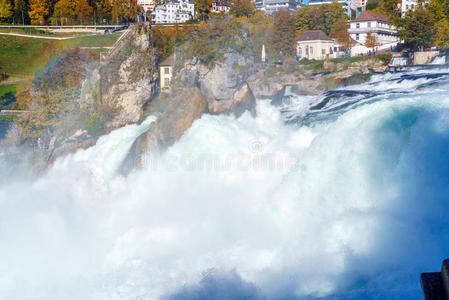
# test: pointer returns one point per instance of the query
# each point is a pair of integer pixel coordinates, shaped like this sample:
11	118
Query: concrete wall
424	57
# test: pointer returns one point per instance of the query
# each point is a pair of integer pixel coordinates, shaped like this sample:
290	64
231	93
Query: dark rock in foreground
435	285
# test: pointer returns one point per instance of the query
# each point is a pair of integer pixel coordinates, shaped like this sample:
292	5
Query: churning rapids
343	196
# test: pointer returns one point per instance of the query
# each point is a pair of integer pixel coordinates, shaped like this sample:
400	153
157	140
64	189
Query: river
4	126
339	196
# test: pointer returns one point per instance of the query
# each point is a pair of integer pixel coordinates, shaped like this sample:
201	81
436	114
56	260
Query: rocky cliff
126	78
224	86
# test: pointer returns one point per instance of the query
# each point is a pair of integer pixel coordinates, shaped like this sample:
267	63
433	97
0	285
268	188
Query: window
357	37
299	52
166	81
357	25
311	50
307	51
323	51
330	50
369	24
166	70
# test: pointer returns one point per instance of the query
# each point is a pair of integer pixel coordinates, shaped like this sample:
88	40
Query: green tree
418	28
332	13
202	9
371	41
64	12
20	10
319	17
39	11
391	8
83	11
123	10
103	9
304	18
442	35
339	32
243	8
5	10
283	39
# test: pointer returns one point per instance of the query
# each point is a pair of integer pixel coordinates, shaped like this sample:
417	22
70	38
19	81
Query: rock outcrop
178	113
224	86
125	80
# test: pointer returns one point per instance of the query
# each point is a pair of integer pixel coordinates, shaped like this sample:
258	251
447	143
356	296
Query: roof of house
222	3
313	35
169	61
370	16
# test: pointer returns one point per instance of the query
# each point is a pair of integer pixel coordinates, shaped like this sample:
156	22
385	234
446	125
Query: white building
315	44
271	6
348	5
379	26
407	5
221	6
175	11
148	5
166	72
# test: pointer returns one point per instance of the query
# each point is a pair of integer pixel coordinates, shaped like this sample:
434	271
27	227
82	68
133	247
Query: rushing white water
351	204
439	60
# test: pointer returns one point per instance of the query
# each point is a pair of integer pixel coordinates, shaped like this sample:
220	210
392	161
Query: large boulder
223	85
182	108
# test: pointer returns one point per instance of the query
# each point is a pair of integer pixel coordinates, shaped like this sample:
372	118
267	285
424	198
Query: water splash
353	206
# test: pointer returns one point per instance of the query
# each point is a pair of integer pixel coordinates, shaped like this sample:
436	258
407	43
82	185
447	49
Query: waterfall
338	196
439	60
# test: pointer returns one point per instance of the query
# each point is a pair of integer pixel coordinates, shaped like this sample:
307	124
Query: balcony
380	30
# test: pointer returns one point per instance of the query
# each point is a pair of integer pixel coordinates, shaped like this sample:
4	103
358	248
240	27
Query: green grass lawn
7	88
24	56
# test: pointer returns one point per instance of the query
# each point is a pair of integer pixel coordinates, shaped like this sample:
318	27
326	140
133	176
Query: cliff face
224	86
175	114
125	80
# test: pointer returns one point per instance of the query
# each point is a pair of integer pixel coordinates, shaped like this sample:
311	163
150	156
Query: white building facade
315	44
271	6
221	6
348	5
177	11
147	5
376	24
407	5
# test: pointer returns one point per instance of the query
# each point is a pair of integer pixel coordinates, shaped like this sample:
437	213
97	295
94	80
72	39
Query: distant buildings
271	6
377	25
174	11
147	5
315	44
220	6
348	5
166	72
407	5
360	6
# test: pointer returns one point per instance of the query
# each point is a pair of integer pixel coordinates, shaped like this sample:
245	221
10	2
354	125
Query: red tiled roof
370	16
169	61
313	35
221	3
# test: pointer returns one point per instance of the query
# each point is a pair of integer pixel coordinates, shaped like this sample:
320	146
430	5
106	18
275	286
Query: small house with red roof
166	68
